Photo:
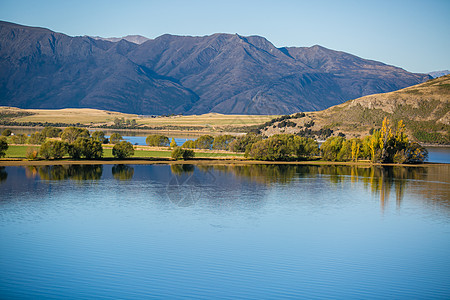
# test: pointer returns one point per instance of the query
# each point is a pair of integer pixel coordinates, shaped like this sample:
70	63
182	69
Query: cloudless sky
412	34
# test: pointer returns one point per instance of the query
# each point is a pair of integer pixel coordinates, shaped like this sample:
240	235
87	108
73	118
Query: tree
180	153
188	144
123	150
204	142
157	140
283	147
115	138
244	143
415	153
36	138
19	139
3	146
71	134
53	149
51	132
331	148
173	144
6	132
222	142
99	136
88	148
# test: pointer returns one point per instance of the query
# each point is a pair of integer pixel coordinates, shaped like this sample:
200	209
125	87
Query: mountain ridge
224	73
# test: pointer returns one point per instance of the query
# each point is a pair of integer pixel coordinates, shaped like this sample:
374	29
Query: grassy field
20	151
93	117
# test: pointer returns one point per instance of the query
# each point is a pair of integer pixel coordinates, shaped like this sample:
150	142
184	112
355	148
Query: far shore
205	161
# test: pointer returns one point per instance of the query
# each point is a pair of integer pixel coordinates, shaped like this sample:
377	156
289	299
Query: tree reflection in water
3	174
64	172
183	187
381	180
122	172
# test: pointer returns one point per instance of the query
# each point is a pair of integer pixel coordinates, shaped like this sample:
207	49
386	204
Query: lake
224	232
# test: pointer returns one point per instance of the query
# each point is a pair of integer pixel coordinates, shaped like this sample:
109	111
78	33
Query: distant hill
437	74
224	73
424	108
136	39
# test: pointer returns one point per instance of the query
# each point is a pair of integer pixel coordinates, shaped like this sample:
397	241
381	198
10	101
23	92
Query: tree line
75	142
389	144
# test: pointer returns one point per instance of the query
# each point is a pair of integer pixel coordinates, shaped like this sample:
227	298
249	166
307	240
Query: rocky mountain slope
424	108
221	73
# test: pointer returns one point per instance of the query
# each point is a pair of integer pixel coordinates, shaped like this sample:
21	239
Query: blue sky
414	35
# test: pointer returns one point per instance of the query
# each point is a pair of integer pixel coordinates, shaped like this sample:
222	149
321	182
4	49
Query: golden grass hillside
211	122
424	108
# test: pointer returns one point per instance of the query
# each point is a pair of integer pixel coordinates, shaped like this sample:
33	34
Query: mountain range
224	73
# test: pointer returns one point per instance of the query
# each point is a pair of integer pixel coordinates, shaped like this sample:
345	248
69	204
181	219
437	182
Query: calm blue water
256	232
140	140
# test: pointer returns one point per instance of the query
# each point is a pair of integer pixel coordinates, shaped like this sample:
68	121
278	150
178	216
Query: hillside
425	109
223	73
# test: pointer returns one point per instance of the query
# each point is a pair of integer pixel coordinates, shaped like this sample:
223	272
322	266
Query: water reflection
185	184
122	172
184	188
180	169
3	174
64	172
431	182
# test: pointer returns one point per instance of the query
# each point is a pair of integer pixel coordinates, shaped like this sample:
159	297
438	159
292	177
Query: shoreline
206	161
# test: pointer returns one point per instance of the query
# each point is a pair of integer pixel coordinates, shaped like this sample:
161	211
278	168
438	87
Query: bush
180	153
3	146
123	150
157	140
6	132
53	149
32	153
115	138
